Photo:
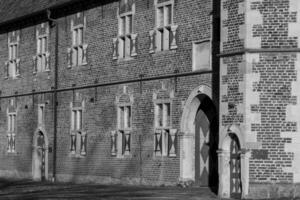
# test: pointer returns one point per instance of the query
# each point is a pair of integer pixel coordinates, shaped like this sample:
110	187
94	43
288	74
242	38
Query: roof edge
41	13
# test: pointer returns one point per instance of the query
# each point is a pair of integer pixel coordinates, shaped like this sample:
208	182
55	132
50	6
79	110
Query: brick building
156	92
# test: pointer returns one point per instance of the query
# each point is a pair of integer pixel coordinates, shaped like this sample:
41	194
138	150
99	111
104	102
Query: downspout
53	23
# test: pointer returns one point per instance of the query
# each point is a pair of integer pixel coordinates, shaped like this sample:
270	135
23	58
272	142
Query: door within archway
206	144
235	168
40	157
199	140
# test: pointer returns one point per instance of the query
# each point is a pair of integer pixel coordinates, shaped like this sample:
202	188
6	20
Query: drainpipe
53	23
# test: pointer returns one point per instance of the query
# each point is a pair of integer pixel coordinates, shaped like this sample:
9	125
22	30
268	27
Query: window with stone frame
124	130
163	37
77	54
125	43
41	114
41	59
11	127
121	138
78	135
165	136
13	63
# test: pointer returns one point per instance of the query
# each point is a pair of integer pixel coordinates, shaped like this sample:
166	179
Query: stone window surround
81	59
117	139
168	30
131	37
164	132
120	133
13	56
77	133
41	115
42	54
11	128
125	118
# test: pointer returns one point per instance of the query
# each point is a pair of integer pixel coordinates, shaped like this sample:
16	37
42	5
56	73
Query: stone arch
225	138
35	159
189	145
191	106
224	161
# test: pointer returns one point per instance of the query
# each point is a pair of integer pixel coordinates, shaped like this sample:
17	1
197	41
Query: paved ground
27	190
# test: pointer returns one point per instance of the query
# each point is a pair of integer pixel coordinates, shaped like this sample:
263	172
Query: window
164	21
120	139
164	138
124	130
162	124
125	36
11	127
78	136
13	63
77	49
201	56
165	31
41	114
125	44
124	117
163	115
77	55
41	60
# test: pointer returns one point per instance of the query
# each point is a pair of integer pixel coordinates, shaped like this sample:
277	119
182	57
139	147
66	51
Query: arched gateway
40	155
233	164
199	126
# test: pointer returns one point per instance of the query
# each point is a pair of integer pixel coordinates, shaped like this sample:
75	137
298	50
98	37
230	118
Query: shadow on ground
27	189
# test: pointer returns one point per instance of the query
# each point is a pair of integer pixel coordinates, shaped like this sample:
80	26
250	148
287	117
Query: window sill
11	153
163	52
72	155
126	59
123	157
162	128
156	157
76	66
41	72
202	70
13	77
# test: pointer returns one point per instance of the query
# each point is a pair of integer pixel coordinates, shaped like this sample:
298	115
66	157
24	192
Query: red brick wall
100	117
275	74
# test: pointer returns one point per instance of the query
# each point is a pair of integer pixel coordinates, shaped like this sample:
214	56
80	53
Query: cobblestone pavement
27	190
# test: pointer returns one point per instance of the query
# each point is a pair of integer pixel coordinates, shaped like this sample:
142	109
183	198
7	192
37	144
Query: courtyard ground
27	190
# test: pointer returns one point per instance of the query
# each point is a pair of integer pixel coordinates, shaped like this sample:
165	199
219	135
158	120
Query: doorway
206	145
40	157
235	168
199	140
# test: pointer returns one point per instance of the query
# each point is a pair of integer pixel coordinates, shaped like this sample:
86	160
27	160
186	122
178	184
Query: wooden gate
235	169
202	156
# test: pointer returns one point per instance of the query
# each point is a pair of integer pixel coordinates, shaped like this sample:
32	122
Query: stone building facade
157	92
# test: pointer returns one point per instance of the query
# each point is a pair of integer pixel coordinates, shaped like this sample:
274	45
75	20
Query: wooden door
235	169
202	149
41	156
